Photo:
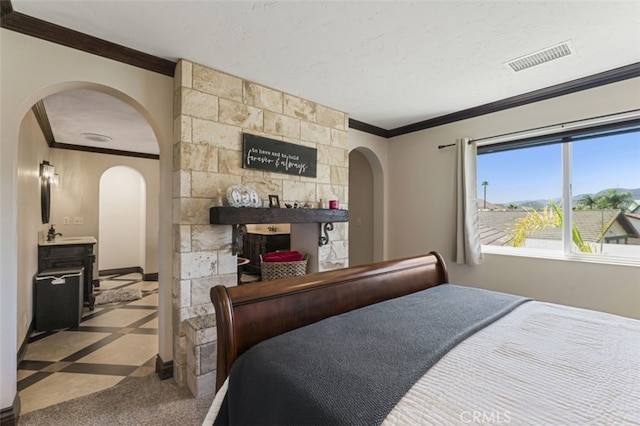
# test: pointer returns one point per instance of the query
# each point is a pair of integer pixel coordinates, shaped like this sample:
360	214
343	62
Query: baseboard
9	415
150	277
23	347
164	369
121	271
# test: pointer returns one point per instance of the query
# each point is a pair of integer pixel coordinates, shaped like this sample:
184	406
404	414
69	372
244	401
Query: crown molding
42	118
5	8
573	86
368	128
44	30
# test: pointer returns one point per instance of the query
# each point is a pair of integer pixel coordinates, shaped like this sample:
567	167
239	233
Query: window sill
557	255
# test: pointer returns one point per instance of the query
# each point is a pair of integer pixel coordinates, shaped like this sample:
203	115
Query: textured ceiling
387	63
77	112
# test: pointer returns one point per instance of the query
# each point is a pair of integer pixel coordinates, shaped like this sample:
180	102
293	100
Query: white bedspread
542	364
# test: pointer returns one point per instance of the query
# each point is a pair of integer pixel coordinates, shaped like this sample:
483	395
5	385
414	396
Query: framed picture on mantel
274	201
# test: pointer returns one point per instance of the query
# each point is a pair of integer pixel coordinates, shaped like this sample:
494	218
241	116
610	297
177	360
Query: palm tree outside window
484	185
589	177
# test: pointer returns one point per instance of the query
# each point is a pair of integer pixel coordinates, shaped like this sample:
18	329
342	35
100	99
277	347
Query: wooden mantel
250	215
239	217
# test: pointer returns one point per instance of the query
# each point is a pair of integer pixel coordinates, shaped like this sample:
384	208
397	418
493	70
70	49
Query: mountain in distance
635	193
534	204
539	204
490	206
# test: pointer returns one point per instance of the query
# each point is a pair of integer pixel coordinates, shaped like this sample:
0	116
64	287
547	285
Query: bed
395	343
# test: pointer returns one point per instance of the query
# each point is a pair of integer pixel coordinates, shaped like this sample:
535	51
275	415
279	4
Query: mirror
45	199
46	170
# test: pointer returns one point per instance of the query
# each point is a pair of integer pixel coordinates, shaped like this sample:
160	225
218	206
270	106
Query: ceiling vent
540	57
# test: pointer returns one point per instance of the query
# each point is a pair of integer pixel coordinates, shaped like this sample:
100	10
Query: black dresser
68	253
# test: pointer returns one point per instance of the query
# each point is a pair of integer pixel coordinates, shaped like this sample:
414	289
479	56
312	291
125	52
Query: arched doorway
149	93
360	210
100	198
366	207
74	190
122	220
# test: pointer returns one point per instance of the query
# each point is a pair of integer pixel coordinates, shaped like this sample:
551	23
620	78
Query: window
573	192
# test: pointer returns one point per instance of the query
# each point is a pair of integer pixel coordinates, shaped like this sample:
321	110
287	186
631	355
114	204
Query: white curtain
467	235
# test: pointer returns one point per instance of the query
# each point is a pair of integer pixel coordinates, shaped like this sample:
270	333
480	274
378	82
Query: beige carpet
136	401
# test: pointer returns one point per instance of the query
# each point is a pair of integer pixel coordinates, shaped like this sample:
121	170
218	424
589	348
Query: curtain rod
561	125
445	146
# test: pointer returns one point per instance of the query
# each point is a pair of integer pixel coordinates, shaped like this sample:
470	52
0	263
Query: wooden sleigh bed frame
251	313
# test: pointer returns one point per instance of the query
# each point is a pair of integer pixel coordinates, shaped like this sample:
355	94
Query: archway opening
122	220
75	213
360	210
366	207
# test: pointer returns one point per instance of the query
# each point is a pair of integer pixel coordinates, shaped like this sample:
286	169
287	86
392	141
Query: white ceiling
386	63
77	115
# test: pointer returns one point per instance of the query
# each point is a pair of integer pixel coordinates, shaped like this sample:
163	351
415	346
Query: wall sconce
48	172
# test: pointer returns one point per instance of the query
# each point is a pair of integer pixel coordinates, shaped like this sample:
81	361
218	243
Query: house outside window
568	194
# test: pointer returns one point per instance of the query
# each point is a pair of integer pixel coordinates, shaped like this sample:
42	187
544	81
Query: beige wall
79	190
421	191
212	110
31	70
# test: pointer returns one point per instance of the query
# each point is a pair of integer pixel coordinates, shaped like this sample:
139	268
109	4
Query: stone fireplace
212	111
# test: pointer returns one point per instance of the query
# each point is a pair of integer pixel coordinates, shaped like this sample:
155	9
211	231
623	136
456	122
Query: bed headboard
251	313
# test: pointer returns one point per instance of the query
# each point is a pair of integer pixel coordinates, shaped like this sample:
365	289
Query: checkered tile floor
112	343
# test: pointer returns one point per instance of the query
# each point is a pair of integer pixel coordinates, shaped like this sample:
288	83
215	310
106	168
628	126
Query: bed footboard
249	314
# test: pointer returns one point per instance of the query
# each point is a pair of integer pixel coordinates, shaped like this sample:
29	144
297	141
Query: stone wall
201	355
212	110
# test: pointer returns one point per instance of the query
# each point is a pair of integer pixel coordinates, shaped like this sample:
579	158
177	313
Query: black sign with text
277	156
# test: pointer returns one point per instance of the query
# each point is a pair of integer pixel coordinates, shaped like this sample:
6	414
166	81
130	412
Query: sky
536	173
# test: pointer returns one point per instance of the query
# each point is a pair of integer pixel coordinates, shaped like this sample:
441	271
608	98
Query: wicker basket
276	270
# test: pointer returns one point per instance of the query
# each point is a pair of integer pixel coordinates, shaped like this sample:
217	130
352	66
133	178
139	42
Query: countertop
59	241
